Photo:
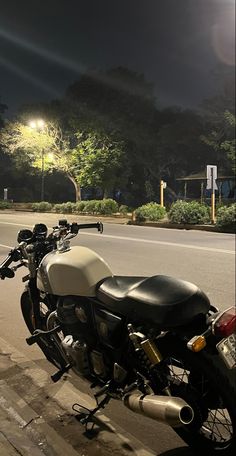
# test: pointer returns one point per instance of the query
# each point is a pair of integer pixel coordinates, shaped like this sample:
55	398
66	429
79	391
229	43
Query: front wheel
49	349
206	384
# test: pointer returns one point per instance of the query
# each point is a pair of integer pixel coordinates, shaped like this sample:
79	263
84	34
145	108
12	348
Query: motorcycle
155	343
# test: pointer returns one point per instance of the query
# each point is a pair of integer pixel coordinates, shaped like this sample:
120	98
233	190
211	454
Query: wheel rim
216	427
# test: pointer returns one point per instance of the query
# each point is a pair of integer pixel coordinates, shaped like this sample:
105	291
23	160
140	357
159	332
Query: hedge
226	218
150	211
189	212
104	207
5	204
43	206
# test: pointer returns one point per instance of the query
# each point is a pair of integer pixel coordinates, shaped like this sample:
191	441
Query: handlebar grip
6	272
98	226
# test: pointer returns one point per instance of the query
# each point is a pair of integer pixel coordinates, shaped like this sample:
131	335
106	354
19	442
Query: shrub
5	204
79	206
150	211
189	212
104	207
68	207
57	208
123	209
226	217
43	206
90	206
64	208
108	206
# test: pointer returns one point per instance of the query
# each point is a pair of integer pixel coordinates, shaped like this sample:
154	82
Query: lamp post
39	125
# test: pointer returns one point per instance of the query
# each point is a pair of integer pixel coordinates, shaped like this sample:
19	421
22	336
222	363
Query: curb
29	414
180	226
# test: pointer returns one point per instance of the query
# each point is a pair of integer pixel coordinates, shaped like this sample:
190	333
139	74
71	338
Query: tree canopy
108	132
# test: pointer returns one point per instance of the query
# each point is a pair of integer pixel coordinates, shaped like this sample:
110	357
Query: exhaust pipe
173	411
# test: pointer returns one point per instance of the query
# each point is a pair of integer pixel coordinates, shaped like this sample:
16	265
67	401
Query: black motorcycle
156	343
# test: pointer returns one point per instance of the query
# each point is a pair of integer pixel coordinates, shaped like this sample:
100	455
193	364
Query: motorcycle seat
166	301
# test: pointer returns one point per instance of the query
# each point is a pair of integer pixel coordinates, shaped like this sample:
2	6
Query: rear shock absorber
150	358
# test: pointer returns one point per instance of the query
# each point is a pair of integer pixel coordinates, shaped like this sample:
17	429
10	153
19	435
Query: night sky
176	44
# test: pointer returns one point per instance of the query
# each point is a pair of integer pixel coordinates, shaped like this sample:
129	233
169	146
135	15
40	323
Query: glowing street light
37	124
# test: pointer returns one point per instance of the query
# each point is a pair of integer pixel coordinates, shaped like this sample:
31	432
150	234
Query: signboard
211	177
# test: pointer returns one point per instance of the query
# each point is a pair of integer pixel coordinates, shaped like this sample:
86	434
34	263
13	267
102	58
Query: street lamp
39	125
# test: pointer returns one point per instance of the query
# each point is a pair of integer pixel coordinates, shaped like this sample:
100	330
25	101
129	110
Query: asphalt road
205	258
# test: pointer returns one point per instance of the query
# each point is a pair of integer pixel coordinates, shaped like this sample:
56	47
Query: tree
221	139
100	159
3	108
120	104
30	146
219	116
229	144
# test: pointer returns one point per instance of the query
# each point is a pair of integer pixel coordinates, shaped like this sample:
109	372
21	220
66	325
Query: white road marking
173	244
6	246
147	241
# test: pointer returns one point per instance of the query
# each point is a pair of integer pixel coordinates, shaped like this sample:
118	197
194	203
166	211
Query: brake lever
14	268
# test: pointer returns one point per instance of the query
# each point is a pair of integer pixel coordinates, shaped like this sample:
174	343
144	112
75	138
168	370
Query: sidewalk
36	416
13	438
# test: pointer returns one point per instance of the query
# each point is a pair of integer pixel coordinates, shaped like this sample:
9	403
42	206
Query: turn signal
197	343
225	324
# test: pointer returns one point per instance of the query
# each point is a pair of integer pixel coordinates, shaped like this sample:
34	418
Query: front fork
34	295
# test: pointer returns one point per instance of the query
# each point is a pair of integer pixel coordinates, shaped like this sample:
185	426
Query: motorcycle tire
50	351
203	380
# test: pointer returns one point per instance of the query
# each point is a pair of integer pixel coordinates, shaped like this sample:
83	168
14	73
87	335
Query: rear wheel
205	383
47	346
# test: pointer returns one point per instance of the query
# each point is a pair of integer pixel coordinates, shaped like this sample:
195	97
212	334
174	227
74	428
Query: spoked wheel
209	388
48	347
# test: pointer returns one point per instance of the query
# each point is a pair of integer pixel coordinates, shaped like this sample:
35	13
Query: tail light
225	323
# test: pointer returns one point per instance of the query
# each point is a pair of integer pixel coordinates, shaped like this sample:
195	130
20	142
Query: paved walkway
36	418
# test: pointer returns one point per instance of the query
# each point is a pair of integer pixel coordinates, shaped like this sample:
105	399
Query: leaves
222	138
99	159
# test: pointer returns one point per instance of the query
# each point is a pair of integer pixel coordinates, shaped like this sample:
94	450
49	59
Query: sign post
162	186
5	190
211	185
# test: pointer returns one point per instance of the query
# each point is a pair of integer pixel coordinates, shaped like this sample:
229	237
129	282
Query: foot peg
103	390
38	333
55	377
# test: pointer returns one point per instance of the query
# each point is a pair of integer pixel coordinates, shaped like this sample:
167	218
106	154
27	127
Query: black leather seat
163	300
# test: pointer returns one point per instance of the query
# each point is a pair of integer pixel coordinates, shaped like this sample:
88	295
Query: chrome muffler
173	411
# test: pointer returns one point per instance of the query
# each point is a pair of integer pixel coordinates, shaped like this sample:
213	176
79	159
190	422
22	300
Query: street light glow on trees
39	125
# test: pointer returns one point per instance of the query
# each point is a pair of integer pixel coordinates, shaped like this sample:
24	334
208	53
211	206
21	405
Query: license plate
227	350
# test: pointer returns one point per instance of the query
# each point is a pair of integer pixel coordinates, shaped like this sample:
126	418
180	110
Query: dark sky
177	44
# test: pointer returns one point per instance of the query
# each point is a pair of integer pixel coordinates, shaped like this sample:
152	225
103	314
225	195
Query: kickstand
88	418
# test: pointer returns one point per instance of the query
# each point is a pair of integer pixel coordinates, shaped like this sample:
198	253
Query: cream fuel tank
72	272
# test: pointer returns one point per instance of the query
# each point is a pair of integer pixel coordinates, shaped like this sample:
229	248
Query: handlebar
75	227
5	271
44	243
